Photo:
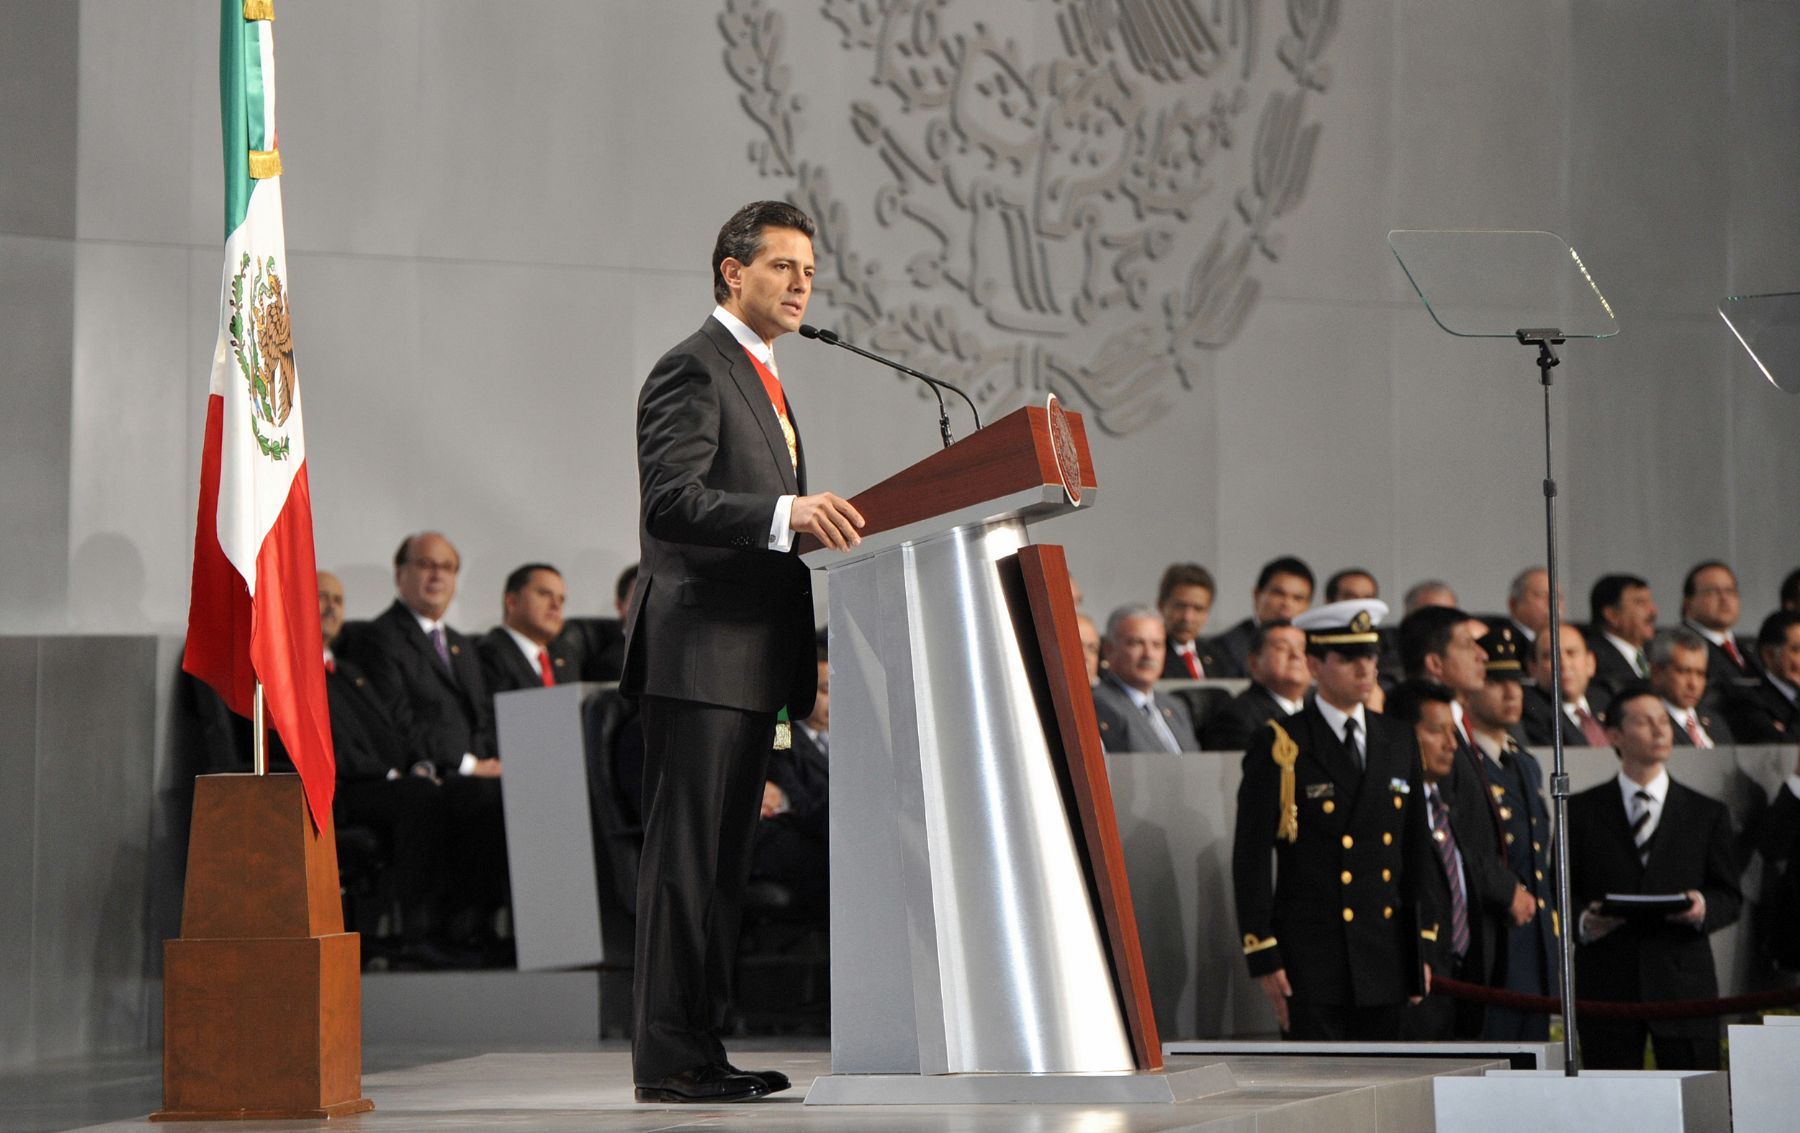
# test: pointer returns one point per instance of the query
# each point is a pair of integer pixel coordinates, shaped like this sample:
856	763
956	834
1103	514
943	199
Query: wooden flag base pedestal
262	993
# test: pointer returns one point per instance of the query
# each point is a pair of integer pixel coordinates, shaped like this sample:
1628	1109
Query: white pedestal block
1548	1101
1765	1092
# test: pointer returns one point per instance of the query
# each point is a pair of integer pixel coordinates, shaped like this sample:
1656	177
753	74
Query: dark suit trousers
1336	1022
704	767
410	815
1618	1044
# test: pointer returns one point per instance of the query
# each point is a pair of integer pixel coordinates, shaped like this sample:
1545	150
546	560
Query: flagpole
259	740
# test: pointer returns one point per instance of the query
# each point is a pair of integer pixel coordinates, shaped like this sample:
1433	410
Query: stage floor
591	1092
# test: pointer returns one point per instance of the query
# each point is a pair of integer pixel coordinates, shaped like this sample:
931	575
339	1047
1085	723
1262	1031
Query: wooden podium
983	942
262	999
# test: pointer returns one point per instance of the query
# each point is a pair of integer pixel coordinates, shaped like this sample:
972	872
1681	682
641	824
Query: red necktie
544	668
1693	730
1193	664
1731	651
331	664
1590	727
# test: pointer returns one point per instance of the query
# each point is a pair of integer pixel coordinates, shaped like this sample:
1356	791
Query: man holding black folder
1633	838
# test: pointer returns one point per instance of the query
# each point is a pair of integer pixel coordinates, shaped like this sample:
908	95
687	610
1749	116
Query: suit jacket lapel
421	642
750	388
1618	819
1661	843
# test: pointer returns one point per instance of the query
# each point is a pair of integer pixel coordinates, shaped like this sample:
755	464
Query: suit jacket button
1387	839
1349	914
1348	842
1345	877
1387	875
1387	912
1540	902
1399	802
1328	806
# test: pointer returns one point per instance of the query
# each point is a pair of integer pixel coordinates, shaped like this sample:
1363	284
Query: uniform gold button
1510	840
1387	912
1329	806
1540	902
1535	846
1387	839
1399	802
1540	875
1387	875
1348	841
1349	914
1344	877
1506	813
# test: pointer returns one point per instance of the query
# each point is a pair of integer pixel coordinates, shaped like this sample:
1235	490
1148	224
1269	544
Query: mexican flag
254	610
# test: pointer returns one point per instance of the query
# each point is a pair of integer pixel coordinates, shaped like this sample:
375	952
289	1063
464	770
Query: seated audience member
527	650
793	838
1429	592
1331	846
1528	604
1351	583
1622	622
1767	712
1526	957
1279	681
1284	587
1090	646
1132	717
1184	598
385	787
1678	674
600	642
1642	833
1710	606
432	674
1462	949
1581	702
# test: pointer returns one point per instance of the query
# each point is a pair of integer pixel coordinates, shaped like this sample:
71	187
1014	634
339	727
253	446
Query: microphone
831	338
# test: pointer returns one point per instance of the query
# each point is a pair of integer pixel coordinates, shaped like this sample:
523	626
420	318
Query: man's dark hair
1286	564
1614	716
741	238
1425	631
1259	636
1774	631
1608	592
403	553
1407	702
1184	574
1332	583
521	578
1789	595
823	640
1687	584
627	577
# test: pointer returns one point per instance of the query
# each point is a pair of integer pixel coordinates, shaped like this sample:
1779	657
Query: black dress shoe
703	1084
774	1081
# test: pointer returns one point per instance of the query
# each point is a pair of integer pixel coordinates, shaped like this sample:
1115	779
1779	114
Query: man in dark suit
793	838
1462	950
527	649
1331	847
1678	673
1279	680
1284	587
1184	598
1581	701
1768	712
1778	840
719	638
431	675
1131	715
1710	606
1622	621
1526	959
600	642
1528	605
1640	832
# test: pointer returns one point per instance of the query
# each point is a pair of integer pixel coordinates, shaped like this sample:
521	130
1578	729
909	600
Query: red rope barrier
1604	1009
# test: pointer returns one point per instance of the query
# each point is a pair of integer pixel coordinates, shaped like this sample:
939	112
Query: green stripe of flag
240	55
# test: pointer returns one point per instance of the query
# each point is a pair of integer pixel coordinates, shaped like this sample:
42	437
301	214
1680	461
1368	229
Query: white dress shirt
1681	716
1335	717
1658	789
781	536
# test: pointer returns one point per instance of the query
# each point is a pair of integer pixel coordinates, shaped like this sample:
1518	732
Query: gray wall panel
39	73
18	845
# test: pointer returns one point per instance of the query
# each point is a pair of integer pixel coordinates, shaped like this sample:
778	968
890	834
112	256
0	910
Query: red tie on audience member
331	664
1693	730
1731	651
1590	727
1193	663
544	668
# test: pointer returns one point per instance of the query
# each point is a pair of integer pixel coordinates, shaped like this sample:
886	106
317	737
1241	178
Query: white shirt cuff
467	766
781	536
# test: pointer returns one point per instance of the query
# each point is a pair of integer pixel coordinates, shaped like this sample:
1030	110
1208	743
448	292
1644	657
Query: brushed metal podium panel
963	936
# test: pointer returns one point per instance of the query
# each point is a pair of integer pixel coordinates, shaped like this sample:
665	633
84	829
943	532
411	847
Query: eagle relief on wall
1085	217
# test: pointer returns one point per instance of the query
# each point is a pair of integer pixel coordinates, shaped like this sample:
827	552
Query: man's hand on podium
829	517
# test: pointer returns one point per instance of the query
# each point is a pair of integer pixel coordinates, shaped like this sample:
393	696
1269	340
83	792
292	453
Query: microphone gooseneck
831	337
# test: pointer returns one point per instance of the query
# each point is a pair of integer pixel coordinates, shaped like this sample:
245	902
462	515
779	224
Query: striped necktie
1641	832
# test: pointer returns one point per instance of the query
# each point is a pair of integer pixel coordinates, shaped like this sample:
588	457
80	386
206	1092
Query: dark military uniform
1528	953
1341	909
